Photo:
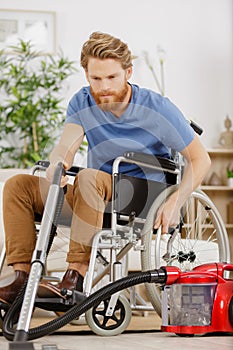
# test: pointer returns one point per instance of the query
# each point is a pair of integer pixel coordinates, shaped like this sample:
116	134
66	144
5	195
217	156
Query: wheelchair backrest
136	195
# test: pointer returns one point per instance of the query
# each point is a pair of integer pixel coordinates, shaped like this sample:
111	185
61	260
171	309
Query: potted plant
230	174
31	112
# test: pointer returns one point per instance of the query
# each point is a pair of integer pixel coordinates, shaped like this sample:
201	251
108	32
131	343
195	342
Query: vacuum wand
52	211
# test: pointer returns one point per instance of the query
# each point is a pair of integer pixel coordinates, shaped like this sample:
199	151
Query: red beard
112	102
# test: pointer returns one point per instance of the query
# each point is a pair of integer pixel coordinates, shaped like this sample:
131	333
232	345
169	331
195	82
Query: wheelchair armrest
166	164
44	164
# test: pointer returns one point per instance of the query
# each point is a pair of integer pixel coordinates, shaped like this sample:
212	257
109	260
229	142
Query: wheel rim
108	322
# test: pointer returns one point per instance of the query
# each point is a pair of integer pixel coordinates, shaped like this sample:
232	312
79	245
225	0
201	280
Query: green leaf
31	97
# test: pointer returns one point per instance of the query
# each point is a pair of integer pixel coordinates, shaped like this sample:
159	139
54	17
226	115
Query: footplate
72	297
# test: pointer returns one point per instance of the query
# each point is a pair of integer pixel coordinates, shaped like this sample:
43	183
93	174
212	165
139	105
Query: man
115	116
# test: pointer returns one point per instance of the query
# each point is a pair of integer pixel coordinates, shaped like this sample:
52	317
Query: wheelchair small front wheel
104	325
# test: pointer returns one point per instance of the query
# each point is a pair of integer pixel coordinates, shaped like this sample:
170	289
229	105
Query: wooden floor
143	333
151	321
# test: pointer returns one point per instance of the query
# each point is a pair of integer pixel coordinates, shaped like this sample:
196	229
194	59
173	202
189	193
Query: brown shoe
9	293
71	280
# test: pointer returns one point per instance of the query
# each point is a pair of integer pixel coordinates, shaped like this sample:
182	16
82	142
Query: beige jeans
25	195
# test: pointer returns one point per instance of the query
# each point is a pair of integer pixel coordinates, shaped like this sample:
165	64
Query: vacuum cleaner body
200	301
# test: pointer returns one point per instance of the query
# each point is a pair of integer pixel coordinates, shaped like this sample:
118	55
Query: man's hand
197	166
168	214
50	172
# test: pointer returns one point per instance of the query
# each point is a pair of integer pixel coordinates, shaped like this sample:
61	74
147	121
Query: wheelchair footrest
60	304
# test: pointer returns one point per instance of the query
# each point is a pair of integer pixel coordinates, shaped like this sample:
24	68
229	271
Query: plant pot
230	181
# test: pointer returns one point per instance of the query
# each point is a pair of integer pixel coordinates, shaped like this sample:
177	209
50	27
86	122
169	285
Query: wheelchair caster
104	325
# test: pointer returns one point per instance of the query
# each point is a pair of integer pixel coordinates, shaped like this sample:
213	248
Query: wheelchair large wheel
201	238
104	325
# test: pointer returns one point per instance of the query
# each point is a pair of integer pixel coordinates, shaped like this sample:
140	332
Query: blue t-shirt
150	124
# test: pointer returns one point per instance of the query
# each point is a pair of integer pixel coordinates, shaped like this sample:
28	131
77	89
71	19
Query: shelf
206	226
222	196
216	188
213	151
229	225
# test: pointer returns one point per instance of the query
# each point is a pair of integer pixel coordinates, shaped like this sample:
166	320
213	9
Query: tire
201	238
104	325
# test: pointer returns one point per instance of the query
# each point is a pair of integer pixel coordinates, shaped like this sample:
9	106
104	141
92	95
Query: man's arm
197	166
65	150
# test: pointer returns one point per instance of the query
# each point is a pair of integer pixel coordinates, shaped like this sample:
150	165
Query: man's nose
104	85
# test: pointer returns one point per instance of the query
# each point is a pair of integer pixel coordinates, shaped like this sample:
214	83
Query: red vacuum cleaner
200	301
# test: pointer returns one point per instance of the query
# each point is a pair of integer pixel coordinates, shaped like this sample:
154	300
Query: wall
197	36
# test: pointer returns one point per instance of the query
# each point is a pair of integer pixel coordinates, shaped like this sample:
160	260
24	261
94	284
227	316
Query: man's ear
86	74
129	72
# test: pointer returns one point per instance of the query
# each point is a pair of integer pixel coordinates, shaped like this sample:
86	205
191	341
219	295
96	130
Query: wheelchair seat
141	192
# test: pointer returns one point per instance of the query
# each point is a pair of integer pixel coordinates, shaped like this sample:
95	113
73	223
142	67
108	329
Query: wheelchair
128	226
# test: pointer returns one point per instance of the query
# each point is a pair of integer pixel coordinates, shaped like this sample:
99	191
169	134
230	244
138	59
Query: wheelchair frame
118	241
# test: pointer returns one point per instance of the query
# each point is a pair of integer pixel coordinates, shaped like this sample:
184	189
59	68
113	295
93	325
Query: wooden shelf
216	188
213	151
229	225
222	195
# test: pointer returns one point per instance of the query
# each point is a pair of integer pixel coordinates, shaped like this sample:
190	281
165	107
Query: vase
230	181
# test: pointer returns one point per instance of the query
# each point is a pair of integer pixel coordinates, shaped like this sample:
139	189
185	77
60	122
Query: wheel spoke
114	318
105	320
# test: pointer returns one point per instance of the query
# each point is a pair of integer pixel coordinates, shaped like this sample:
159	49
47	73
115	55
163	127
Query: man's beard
116	99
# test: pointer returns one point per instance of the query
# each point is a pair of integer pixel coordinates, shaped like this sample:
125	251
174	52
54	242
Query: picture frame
38	27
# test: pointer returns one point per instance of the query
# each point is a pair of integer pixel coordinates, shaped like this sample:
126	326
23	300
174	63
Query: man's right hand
50	172
65	150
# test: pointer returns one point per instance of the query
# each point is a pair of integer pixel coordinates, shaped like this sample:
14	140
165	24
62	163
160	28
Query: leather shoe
71	280
9	293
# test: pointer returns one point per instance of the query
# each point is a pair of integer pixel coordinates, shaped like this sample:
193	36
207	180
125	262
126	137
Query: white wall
197	36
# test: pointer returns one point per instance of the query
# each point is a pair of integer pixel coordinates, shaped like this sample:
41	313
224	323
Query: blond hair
102	45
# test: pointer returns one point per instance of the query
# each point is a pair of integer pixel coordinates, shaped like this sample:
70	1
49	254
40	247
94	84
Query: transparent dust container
188	304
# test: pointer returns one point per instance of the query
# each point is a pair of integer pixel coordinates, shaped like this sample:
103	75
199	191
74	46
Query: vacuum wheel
104	325
184	335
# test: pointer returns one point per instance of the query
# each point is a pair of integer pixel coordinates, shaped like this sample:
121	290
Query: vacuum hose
156	276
